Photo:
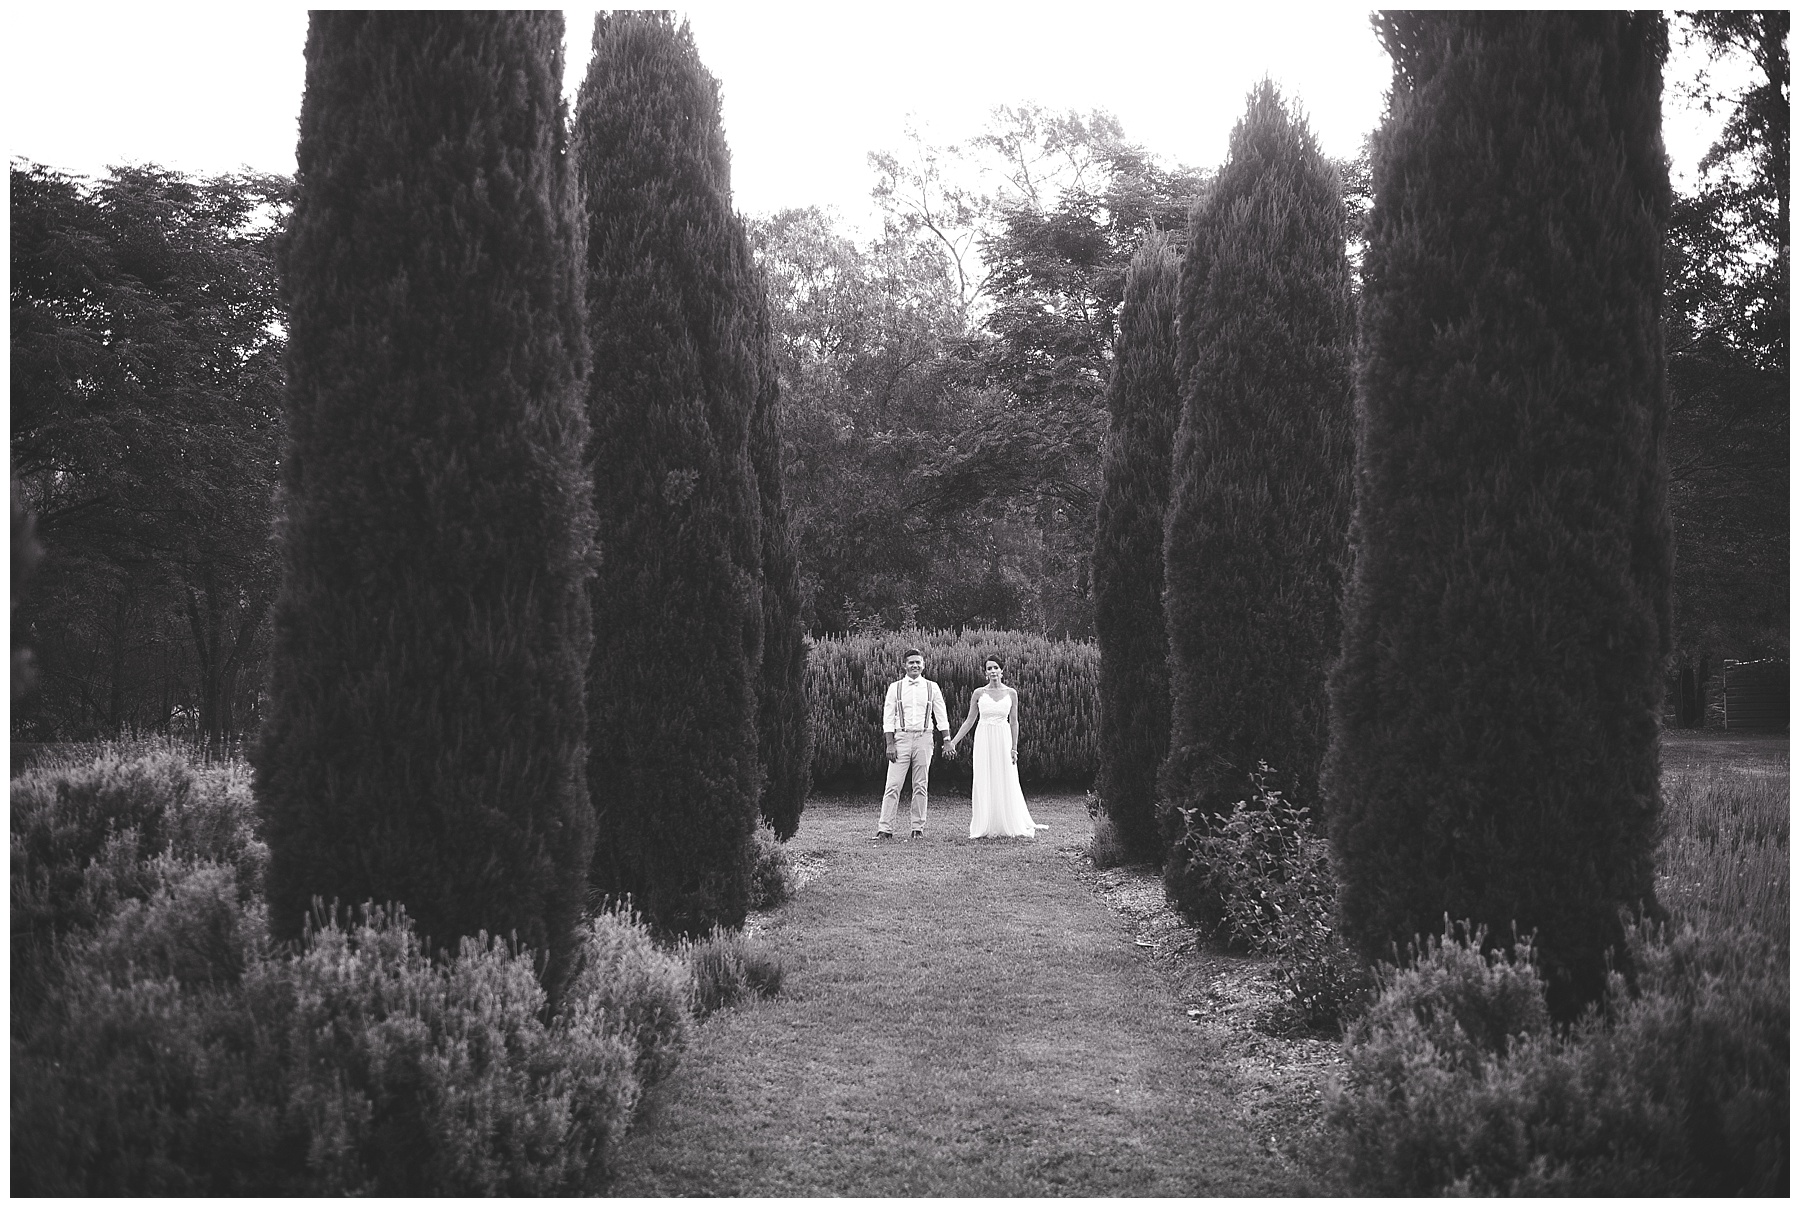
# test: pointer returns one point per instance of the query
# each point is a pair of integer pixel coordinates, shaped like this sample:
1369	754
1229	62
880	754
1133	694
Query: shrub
1059	702
1263	875
772	877
1495	708
358	1065
1459	1082
645	993
194	927
1145	404
1259	493
85	833
424	735
1104	848
728	967
673	316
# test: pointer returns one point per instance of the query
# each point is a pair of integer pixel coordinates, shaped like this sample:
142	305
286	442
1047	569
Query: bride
998	804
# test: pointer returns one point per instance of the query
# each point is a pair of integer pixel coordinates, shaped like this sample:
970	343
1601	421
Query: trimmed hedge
1057	681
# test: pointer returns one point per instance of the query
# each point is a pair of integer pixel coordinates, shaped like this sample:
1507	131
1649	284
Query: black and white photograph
899	601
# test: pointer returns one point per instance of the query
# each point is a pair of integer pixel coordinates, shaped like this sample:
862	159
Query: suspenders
900	708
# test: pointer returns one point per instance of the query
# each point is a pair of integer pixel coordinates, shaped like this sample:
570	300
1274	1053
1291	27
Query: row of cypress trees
1221	546
1479	730
536	636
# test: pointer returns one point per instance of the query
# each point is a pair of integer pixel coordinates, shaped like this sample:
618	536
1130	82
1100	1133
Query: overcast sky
809	89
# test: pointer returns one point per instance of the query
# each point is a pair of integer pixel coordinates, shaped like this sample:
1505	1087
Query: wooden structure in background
1756	695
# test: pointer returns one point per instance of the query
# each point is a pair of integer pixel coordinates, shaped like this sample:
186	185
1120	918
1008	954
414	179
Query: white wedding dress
998	804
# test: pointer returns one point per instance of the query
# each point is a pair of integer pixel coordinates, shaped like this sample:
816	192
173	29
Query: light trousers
912	750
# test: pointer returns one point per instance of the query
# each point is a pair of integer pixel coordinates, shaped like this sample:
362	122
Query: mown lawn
960	1018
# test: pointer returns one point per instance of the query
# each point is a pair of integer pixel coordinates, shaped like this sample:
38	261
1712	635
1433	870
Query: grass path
960	1018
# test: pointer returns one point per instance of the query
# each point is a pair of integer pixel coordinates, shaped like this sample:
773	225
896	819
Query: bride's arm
1012	717
967	722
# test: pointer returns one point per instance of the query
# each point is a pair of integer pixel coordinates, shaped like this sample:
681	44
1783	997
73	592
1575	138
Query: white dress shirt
919	699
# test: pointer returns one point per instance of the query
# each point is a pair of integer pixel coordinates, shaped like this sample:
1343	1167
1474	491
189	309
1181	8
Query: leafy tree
1145	403
424	742
1077	201
1729	270
1728	254
146	377
1495	709
1259	497
860	336
1042	259
674	318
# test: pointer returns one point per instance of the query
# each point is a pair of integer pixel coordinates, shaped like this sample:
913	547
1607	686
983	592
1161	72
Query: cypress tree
424	737
1494	714
673	311
1259	502
1145	404
784	721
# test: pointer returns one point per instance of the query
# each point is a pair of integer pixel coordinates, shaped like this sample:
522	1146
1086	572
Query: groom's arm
889	706
943	710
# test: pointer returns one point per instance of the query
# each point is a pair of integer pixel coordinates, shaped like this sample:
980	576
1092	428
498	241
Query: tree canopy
1728	260
147	341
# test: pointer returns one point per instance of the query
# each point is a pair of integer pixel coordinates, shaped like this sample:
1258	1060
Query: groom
913	704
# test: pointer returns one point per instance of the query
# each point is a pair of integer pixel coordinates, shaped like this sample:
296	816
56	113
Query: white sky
809	89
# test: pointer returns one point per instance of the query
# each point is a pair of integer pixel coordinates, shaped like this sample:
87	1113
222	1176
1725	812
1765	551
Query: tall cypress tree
1145	405
673	309
424	738
1259	504
784	723
1494	715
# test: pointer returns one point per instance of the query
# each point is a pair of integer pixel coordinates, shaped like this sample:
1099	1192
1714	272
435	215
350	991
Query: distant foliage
1145	403
678	605
1458	1082
1259	500
26	554
1057	682
147	325
1495	711
423	742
